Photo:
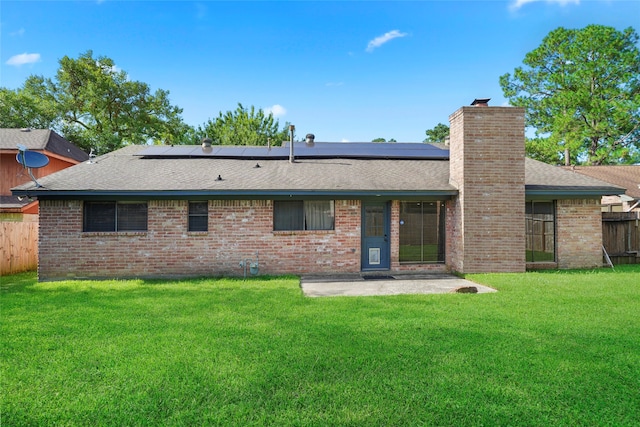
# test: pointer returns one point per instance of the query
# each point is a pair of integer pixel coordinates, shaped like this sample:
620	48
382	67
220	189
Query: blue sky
345	71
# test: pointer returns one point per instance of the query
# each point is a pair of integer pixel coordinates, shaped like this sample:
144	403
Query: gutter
570	193
43	194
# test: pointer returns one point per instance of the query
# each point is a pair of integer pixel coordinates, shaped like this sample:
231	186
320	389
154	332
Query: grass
419	253
551	348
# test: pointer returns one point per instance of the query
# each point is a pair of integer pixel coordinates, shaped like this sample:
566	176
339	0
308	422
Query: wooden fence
621	236
19	247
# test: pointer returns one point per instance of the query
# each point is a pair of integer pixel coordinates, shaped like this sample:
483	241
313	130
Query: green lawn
551	348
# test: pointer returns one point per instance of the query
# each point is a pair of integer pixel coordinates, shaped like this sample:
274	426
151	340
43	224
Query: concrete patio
390	284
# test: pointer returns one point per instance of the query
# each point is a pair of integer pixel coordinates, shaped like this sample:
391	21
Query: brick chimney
487	222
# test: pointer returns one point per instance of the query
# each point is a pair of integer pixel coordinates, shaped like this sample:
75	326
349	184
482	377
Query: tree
244	126
438	134
379	140
581	93
20	109
95	105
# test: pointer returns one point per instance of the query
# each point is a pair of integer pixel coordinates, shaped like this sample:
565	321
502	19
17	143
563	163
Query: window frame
192	215
440	219
547	207
114	216
300	211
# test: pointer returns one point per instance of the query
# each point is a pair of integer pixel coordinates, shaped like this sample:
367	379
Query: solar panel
181	150
320	150
156	150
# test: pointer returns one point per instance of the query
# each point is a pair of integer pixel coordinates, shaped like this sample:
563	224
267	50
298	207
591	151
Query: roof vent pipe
309	139
291	158
206	145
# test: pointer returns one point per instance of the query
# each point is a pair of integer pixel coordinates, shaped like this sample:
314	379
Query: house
625	176
481	206
61	154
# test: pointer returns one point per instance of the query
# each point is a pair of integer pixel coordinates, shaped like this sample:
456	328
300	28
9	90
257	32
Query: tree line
96	106
580	90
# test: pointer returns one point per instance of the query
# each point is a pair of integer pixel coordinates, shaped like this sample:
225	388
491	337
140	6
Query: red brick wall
579	233
454	243
237	229
486	221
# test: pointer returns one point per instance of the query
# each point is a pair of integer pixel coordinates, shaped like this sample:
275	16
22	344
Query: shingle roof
124	172
544	178
9	202
40	139
625	176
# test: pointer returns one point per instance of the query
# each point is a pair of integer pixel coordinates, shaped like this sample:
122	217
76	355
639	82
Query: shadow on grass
18	282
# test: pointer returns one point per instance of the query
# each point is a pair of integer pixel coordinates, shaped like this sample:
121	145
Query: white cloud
18	33
344	140
114	69
380	40
334	84
517	4
24	58
277	110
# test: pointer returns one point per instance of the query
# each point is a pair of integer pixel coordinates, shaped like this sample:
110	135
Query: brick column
487	227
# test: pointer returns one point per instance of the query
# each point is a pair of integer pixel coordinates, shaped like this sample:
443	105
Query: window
422	232
540	231
374	221
115	216
198	216
303	215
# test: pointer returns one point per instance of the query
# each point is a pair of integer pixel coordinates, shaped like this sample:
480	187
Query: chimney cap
483	102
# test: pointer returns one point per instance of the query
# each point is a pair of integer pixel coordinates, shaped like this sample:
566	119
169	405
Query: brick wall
579	233
237	229
485	223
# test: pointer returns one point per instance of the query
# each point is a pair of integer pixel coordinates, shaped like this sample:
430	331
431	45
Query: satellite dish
31	160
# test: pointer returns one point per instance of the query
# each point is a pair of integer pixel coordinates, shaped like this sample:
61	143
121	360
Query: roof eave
44	194
571	193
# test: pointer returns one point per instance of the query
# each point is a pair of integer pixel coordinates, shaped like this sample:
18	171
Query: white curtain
319	214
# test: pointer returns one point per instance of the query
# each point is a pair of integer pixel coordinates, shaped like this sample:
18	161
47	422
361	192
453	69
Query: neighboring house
625	176
61	154
158	211
19	214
